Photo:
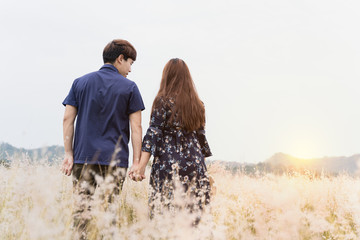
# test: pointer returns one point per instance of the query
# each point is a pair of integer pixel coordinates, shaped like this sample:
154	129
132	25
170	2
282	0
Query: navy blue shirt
104	100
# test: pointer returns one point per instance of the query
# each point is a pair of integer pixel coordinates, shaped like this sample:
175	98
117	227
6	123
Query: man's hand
68	129
67	164
137	170
137	173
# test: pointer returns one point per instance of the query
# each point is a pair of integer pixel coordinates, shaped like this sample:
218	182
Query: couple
105	102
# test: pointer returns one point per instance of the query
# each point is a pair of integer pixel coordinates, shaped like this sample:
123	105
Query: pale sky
275	76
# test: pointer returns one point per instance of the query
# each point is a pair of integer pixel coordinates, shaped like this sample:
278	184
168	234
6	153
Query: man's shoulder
116	79
130	82
89	75
125	82
86	76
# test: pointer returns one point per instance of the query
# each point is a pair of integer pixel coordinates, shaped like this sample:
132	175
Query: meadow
36	202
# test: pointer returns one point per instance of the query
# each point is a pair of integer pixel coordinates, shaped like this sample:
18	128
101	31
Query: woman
176	139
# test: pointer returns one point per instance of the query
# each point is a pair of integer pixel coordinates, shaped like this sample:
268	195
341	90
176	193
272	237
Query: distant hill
51	154
281	163
331	165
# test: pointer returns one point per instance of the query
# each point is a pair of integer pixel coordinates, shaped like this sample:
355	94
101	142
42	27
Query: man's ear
120	58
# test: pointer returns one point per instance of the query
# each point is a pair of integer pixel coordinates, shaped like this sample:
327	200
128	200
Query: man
104	103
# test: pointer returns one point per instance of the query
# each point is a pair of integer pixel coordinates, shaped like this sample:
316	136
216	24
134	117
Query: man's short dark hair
117	47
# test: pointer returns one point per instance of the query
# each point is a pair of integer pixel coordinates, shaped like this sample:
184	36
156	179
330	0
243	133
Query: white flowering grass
37	202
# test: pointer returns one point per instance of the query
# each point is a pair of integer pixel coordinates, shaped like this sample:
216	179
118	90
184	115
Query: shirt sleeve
71	97
135	102
152	141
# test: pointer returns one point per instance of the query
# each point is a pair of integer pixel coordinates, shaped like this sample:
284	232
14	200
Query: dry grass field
36	202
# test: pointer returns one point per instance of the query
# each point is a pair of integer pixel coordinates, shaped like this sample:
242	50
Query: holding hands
137	170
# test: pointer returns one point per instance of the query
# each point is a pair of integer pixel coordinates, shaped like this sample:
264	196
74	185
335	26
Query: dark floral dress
178	154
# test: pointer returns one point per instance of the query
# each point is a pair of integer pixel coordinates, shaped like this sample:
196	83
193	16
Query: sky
275	76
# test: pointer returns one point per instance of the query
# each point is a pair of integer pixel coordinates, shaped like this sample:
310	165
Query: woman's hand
137	172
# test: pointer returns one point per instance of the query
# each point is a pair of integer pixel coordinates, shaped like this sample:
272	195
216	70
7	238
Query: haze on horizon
275	76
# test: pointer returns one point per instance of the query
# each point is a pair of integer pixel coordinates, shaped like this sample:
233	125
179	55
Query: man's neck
114	64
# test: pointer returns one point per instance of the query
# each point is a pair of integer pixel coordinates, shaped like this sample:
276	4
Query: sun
305	145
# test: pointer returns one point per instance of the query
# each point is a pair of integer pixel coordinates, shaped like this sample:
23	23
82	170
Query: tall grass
37	201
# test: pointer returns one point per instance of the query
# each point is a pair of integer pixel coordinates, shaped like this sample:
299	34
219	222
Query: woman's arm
151	142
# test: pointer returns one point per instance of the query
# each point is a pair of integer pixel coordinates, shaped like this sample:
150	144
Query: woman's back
176	139
177	88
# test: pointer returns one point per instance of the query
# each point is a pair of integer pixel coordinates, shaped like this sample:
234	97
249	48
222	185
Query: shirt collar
110	67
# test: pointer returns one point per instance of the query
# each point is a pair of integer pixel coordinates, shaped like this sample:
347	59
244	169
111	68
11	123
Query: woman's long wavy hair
177	84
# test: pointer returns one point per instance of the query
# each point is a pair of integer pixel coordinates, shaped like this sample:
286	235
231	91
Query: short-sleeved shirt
104	100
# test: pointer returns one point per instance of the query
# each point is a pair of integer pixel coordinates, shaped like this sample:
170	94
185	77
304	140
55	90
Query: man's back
104	104
104	100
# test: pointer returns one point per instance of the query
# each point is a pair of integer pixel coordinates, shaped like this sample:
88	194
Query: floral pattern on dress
177	154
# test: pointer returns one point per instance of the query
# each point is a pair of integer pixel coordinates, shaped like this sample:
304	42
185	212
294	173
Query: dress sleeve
153	139
205	148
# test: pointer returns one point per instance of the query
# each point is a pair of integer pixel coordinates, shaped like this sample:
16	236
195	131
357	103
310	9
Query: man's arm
136	135
68	132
